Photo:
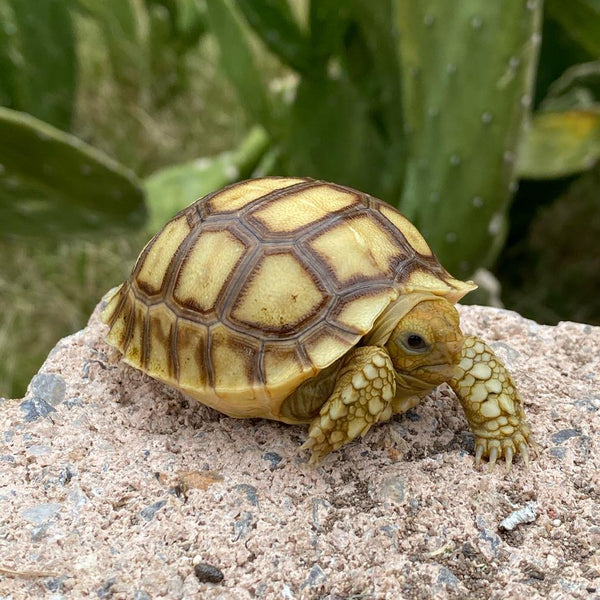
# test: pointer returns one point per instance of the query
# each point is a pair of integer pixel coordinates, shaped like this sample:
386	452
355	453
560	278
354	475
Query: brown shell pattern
255	288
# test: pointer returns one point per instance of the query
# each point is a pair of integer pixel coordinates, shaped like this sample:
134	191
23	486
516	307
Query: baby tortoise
308	302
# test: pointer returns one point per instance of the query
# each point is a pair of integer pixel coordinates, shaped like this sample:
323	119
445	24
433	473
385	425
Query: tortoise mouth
433	374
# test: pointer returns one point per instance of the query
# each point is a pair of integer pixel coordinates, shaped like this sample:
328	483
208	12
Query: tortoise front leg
362	396
491	403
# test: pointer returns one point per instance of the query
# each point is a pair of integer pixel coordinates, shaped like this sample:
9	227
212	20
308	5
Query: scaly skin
491	403
362	396
376	382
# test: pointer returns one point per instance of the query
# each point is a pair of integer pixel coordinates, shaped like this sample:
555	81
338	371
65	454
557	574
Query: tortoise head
425	345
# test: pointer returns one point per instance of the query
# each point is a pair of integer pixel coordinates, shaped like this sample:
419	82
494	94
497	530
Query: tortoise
304	301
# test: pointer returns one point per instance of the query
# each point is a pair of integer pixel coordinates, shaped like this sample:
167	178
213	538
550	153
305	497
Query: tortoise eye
415	342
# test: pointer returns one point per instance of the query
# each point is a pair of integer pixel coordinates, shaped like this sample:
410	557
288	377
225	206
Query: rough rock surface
113	486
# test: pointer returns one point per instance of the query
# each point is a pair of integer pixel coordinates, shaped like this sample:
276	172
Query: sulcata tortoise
308	302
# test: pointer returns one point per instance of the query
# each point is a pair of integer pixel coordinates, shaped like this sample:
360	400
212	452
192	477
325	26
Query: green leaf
39	41
173	188
577	88
53	184
277	27
581	19
237	59
560	144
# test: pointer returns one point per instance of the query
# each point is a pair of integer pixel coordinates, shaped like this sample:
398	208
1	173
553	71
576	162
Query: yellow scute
357	248
323	348
156	263
237	196
307	206
160	323
206	269
359	313
233	361
191	344
280	293
411	233
282	366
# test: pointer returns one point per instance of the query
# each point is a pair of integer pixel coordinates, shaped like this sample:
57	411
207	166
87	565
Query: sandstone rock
103	493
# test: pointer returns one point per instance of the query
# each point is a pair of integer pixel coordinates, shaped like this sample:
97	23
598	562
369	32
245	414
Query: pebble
316	577
447	578
207	573
40	513
243	525
149	512
105	591
36	408
273	458
249	491
565	434
393	489
48	387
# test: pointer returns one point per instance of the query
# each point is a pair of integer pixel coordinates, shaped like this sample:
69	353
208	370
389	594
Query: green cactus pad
52	183
468	82
173	188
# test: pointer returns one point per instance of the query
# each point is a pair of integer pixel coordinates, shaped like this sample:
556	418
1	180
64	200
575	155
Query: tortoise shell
252	290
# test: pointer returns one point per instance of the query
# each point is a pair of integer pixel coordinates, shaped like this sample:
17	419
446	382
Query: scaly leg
491	403
362	396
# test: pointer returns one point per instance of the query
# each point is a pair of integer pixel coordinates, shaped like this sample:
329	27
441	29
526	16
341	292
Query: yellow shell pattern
252	290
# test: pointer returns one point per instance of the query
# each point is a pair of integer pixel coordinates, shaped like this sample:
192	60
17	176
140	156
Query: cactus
581	18
342	120
283	35
51	183
238	60
38	64
173	188
468	81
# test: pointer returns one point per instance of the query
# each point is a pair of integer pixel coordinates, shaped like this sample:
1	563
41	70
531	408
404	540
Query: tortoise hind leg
362	396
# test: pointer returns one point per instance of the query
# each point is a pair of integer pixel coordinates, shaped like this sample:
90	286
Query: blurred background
479	120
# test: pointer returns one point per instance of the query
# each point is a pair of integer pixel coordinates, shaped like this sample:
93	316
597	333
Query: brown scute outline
179	307
209	211
241	285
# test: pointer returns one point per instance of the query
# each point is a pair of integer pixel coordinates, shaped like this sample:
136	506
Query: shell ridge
145	342
130	325
173	339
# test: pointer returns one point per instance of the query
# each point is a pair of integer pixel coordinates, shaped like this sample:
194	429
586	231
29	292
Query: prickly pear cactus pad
52	183
468	74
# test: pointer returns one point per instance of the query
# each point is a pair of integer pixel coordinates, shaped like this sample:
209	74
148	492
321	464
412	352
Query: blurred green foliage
118	113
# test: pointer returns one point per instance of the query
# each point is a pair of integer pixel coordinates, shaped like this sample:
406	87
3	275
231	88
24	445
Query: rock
40	513
48	387
208	573
36	408
132	487
149	512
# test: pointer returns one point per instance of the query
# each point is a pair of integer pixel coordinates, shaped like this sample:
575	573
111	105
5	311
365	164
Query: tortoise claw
506	448
479	454
524	450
